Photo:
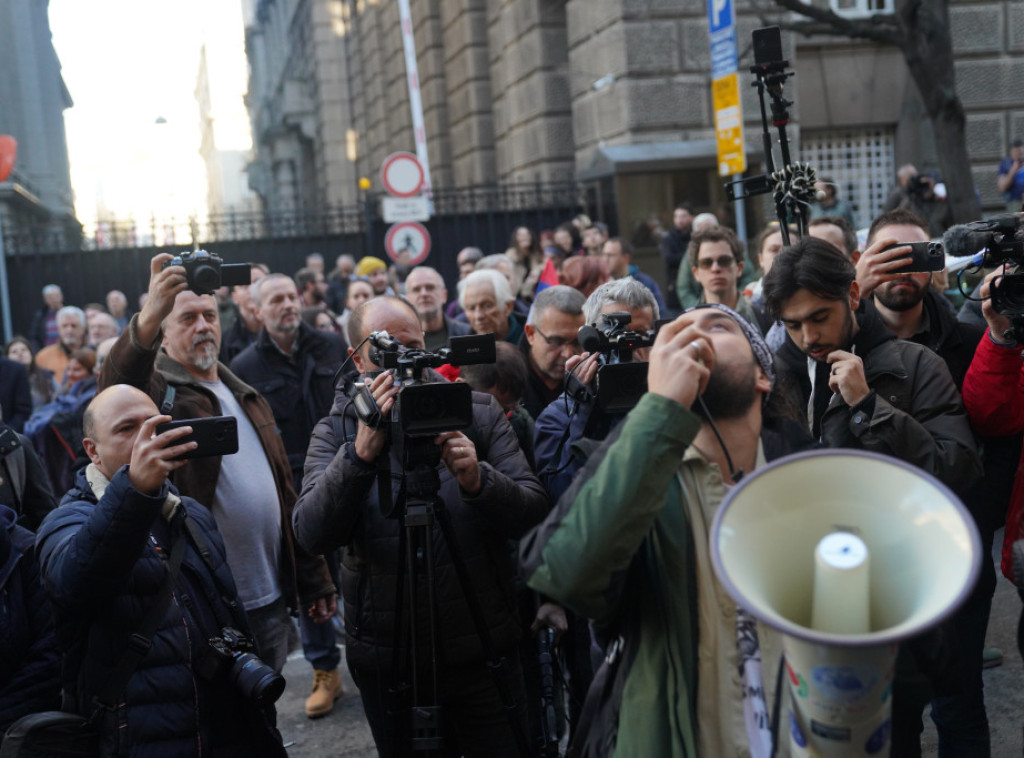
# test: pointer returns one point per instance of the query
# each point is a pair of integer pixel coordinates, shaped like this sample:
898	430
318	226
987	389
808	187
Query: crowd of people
568	506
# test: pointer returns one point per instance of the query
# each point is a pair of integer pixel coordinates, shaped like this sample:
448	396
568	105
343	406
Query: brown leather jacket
304	577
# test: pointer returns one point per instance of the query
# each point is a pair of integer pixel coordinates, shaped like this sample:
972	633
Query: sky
127	63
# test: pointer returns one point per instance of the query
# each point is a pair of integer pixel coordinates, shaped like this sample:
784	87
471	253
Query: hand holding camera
459	455
370	441
998	324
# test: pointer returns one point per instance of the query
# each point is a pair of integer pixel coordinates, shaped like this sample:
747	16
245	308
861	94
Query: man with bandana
169	351
627	547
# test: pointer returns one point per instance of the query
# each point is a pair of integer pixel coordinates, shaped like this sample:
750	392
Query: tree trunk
929	58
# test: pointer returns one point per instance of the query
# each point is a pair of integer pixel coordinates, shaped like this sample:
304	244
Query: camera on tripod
207	272
620	381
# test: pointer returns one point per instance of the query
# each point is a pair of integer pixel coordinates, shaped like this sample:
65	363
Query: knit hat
762	353
368	265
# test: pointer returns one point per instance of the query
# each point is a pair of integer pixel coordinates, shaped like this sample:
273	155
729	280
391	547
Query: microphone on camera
966	244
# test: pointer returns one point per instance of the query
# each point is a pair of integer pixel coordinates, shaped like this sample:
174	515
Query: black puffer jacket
300	389
102	569
29	658
339	507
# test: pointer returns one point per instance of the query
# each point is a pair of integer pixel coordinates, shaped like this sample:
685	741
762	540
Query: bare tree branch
881	28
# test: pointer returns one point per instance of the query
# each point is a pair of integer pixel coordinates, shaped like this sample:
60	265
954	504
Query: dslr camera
207	272
231	654
620	381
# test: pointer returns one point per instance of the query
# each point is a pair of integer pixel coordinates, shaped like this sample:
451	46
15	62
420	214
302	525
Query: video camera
207	272
620	381
422	410
996	241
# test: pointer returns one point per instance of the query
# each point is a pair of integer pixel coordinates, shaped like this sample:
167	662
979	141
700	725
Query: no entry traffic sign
407	242
402	174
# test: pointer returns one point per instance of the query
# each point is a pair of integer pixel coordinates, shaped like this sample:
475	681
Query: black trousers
476	723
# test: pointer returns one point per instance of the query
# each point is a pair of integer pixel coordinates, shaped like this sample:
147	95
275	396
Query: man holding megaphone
627	546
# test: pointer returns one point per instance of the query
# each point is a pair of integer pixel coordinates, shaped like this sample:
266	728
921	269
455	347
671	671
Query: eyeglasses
723	261
558	342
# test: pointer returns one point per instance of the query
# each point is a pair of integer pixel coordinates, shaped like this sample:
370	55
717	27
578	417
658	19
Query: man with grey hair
169	351
551	339
43	331
554	423
337	282
488	302
71	333
425	289
294	365
102	326
501	262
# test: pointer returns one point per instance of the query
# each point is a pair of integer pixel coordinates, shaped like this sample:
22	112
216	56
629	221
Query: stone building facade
612	93
37	196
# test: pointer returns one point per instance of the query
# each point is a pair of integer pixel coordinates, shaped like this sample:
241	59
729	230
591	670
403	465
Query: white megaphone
846	553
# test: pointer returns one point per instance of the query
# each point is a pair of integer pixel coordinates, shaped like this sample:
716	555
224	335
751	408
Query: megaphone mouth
925	552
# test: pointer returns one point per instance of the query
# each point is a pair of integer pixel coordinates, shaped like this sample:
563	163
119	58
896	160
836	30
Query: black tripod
419	506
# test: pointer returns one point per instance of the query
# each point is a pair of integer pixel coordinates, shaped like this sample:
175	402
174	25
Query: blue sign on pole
722	28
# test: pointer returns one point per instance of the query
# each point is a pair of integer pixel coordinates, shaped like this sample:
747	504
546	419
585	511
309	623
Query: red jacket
993	394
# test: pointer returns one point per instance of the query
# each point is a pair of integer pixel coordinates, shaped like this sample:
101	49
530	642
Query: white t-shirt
247	510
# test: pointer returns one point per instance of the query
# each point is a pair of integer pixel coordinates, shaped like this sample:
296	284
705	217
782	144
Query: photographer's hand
998	324
152	454
323	608
874	264
164	286
681	361
847	377
369	442
459	454
586	372
552	615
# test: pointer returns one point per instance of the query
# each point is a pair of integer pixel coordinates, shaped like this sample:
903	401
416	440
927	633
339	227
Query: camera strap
139	643
168	403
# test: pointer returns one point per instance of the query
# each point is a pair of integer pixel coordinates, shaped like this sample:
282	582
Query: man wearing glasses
550	340
716	258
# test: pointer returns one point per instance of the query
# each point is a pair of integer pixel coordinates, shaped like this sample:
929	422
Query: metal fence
116	254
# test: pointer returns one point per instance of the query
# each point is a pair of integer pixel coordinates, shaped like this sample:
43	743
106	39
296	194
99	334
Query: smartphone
924	256
217	435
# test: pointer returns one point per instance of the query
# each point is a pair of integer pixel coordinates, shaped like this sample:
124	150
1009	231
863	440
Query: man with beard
627	546
293	366
551	338
169	351
312	287
914	311
865	389
425	289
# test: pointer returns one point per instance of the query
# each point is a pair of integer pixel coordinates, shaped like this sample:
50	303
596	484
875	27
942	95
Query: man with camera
121	533
485	484
549	341
627	547
292	365
169	350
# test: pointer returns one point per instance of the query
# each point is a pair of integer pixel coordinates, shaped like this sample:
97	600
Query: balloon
8	152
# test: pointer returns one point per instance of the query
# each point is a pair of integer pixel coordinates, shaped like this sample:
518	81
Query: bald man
492	497
103	557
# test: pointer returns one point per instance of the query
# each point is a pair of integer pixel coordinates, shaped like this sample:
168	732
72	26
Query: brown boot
326	689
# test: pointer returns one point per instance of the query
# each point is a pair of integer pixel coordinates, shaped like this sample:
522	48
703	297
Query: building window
860	161
860	8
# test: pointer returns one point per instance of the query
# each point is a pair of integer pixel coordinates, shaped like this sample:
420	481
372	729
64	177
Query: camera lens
257	681
205	279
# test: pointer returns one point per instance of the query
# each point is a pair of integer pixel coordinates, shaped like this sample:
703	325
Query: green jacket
627	546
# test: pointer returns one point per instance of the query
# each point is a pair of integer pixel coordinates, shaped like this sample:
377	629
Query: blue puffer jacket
102	571
29	658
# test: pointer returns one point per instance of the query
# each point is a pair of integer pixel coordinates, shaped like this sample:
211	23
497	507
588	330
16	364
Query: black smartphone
217	435
924	256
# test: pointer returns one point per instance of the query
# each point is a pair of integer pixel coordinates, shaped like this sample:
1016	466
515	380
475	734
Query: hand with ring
459	455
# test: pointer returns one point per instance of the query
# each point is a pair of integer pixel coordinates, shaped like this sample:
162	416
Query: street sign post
725	97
